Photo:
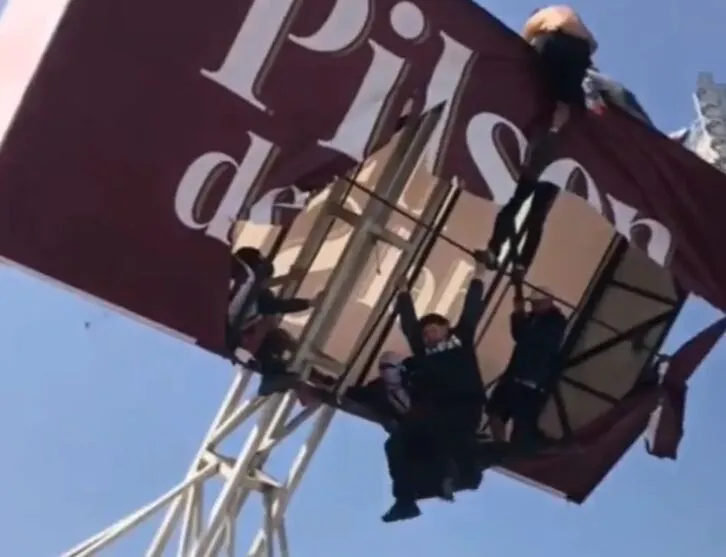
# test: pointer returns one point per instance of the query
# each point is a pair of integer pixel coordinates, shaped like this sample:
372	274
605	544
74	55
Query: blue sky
97	422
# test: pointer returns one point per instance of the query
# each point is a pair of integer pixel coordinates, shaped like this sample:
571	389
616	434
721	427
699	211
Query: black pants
421	449
544	194
565	60
520	403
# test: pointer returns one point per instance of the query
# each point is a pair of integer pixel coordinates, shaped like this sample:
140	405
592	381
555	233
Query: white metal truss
185	529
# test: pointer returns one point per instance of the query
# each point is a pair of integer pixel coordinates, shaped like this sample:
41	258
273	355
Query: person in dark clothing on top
564	45
251	320
533	367
446	390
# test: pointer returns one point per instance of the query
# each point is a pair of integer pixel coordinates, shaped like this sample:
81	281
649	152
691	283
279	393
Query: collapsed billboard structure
358	143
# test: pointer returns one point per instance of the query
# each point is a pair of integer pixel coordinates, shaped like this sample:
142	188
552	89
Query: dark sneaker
277	383
401	510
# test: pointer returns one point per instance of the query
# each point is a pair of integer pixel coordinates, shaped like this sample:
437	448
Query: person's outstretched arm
473	308
269	304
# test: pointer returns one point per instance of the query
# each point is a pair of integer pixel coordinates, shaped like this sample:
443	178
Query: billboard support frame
585	315
244	475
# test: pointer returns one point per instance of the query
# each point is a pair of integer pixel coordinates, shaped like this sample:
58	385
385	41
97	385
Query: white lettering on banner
202	174
711	109
483	148
370	105
448	82
424	291
347	26
357	133
343	30
384	269
454	282
250	56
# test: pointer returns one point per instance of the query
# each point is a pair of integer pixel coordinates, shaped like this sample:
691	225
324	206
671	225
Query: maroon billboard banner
140	112
132	113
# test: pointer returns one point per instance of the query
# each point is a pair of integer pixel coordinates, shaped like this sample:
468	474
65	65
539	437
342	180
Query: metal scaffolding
185	526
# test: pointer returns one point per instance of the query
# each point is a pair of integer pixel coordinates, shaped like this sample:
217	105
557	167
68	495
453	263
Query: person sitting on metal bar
533	366
413	449
446	383
251	320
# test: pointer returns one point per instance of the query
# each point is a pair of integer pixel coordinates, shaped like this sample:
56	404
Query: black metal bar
643	293
593	296
562	415
654	353
583	316
617	339
575	384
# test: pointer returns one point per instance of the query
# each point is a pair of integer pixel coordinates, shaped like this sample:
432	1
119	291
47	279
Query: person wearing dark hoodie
533	367
253	312
447	392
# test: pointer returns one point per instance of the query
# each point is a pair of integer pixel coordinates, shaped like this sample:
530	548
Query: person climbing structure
565	47
253	336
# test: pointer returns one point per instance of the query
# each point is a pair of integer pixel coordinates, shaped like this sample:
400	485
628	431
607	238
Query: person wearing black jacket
533	367
447	394
252	331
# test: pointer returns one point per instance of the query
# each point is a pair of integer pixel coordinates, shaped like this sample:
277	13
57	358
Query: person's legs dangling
527	406
542	201
499	408
504	223
398	451
273	357
450	429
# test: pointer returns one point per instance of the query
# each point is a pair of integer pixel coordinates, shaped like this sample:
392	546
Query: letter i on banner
253	50
263	31
448	81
